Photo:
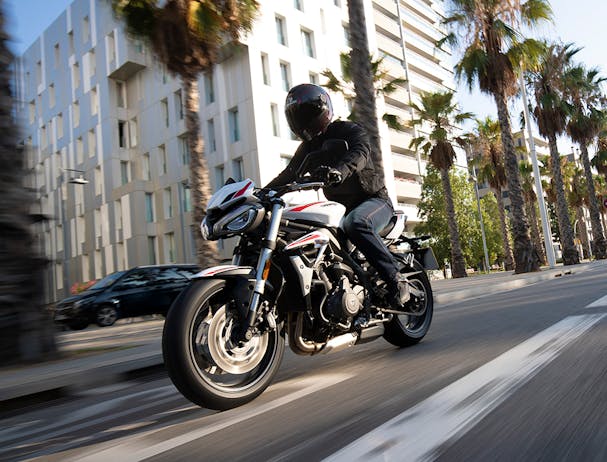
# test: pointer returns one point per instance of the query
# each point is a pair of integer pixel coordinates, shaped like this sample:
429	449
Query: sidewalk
70	375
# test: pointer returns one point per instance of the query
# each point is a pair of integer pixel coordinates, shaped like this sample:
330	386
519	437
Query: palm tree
493	50
577	196
600	186
551	111
187	37
599	161
440	113
527	183
362	76
26	328
382	83
491	170
584	126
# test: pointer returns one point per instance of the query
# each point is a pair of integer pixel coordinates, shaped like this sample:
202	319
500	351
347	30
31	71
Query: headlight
82	302
238	220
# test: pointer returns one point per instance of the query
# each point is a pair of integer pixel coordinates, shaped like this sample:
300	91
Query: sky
578	21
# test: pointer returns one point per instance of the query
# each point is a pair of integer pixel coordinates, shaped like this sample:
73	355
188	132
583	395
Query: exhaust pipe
339	343
303	347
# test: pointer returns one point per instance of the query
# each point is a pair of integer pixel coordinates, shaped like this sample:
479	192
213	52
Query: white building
93	103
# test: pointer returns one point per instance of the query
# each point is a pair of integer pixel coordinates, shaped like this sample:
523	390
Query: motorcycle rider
350	178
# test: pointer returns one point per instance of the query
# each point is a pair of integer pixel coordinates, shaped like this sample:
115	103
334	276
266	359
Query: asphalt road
517	376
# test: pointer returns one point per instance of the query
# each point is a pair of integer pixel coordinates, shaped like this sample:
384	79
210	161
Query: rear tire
406	330
204	366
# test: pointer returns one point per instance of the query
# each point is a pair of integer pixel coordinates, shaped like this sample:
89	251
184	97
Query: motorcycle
294	273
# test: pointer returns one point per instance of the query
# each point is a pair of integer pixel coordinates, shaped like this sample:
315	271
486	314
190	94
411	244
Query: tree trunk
200	186
508	257
525	256
26	327
570	253
599	244
536	235
362	78
457	256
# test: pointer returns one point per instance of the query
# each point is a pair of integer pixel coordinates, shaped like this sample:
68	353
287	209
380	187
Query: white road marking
416	434
600	302
140	447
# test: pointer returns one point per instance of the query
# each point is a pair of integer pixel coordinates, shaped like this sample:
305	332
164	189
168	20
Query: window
307	39
57	55
32	110
265	69
164	110
39	73
178	105
92	64
118	214
168	203
298	5
79	150
97	219
76	113
94	101
145	167
162	158
184	150
313	77
76	75
86	29
346	35
209	90
149	207
133	129
285	76
211	140
169	247
98	181
280	30
111	47
152	250
51	95
122	134
59	122
233	125
219	177
186	197
70	38
92	143
238	169
275	126
124	171
120	94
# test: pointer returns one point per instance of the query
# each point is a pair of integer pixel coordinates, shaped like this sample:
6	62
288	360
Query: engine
344	301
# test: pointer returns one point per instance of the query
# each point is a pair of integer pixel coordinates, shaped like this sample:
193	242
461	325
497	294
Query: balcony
404	164
422	8
415	22
386	23
389	46
130	59
407	188
400	139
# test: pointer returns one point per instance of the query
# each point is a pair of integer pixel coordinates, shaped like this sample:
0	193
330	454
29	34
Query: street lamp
480	215
80	180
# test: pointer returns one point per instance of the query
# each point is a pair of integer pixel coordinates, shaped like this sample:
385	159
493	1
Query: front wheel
405	330
203	363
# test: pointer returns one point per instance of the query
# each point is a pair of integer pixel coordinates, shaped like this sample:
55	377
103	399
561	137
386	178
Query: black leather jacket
362	179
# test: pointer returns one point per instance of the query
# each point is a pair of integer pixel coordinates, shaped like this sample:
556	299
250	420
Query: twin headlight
239	220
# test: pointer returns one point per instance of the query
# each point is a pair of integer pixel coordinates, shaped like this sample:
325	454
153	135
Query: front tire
106	316
199	357
406	330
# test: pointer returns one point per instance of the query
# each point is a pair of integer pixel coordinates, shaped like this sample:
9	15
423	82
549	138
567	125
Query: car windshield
107	281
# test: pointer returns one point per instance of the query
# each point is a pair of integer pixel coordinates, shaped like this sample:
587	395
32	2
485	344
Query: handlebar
289	188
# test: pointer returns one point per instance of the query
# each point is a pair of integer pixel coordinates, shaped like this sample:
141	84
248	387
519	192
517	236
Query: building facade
103	123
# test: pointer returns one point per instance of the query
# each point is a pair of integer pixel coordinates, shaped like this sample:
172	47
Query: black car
136	292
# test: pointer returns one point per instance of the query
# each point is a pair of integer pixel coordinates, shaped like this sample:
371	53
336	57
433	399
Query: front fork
263	268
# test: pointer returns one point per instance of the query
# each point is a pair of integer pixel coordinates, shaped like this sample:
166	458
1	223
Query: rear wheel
202	361
405	329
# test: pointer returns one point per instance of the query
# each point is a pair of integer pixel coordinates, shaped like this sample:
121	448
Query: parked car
135	292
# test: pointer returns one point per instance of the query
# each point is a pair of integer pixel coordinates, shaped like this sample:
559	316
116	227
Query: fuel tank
326	213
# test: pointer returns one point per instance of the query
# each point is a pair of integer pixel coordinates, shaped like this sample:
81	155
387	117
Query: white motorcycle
293	273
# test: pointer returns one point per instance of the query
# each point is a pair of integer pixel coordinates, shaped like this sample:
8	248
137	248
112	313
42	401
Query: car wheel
106	316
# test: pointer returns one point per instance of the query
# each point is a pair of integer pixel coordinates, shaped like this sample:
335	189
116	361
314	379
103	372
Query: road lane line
600	302
139	447
417	434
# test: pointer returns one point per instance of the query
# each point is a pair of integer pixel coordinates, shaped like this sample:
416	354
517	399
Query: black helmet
308	109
